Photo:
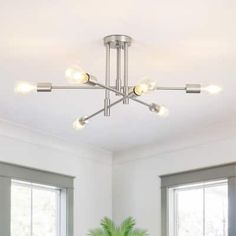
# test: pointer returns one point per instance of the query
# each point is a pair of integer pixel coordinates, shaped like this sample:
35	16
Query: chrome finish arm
107	82
126	88
61	87
130	95
47	87
189	88
113	87
171	88
118	70
125	96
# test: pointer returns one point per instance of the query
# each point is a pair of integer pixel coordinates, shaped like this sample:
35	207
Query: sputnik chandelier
84	80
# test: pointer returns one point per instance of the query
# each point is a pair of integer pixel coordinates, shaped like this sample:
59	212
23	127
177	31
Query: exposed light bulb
163	111
79	123
76	75
24	88
160	110
212	89
140	89
145	86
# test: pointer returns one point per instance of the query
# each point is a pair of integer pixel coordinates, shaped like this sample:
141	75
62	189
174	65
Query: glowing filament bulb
160	110
212	89
163	111
76	75
79	123
24	88
145	86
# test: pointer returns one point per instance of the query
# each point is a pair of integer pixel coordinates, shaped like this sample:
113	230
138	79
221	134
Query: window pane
189	221
44	212
216	210
34	210
199	210
20	210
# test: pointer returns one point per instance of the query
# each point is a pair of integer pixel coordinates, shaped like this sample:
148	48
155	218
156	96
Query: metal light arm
120	93
111	105
131	95
48	87
107	99
189	88
170	88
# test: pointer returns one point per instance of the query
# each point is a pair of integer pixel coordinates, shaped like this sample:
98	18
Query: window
35	209
35	202
199	209
199	202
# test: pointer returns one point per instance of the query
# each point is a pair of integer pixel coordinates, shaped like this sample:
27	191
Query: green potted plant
108	228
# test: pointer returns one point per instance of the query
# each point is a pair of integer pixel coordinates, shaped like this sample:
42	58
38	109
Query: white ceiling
175	42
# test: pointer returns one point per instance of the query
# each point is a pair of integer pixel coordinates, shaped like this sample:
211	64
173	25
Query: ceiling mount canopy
117	40
121	86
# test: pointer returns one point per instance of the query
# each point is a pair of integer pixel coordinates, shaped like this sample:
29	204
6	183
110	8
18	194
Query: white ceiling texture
175	42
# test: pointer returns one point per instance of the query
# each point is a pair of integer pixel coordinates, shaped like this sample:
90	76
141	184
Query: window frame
173	201
65	183
227	171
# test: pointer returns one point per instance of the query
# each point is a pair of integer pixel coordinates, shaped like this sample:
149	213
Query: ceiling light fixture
83	80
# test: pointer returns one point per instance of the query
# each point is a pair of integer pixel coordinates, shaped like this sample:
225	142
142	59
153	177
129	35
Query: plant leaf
96	232
127	226
139	232
108	226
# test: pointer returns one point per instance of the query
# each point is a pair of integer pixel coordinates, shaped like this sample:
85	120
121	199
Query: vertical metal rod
107	82
126	88
111	105
118	70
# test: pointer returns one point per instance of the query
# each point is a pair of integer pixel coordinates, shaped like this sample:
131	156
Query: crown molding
220	132
36	137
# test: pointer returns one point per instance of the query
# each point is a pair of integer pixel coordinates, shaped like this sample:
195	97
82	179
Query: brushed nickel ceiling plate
117	40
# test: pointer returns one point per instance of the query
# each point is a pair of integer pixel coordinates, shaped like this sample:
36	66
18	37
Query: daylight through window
35	209
199	210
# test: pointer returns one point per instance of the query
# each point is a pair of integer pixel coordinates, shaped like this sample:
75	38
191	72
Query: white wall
91	167
136	185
